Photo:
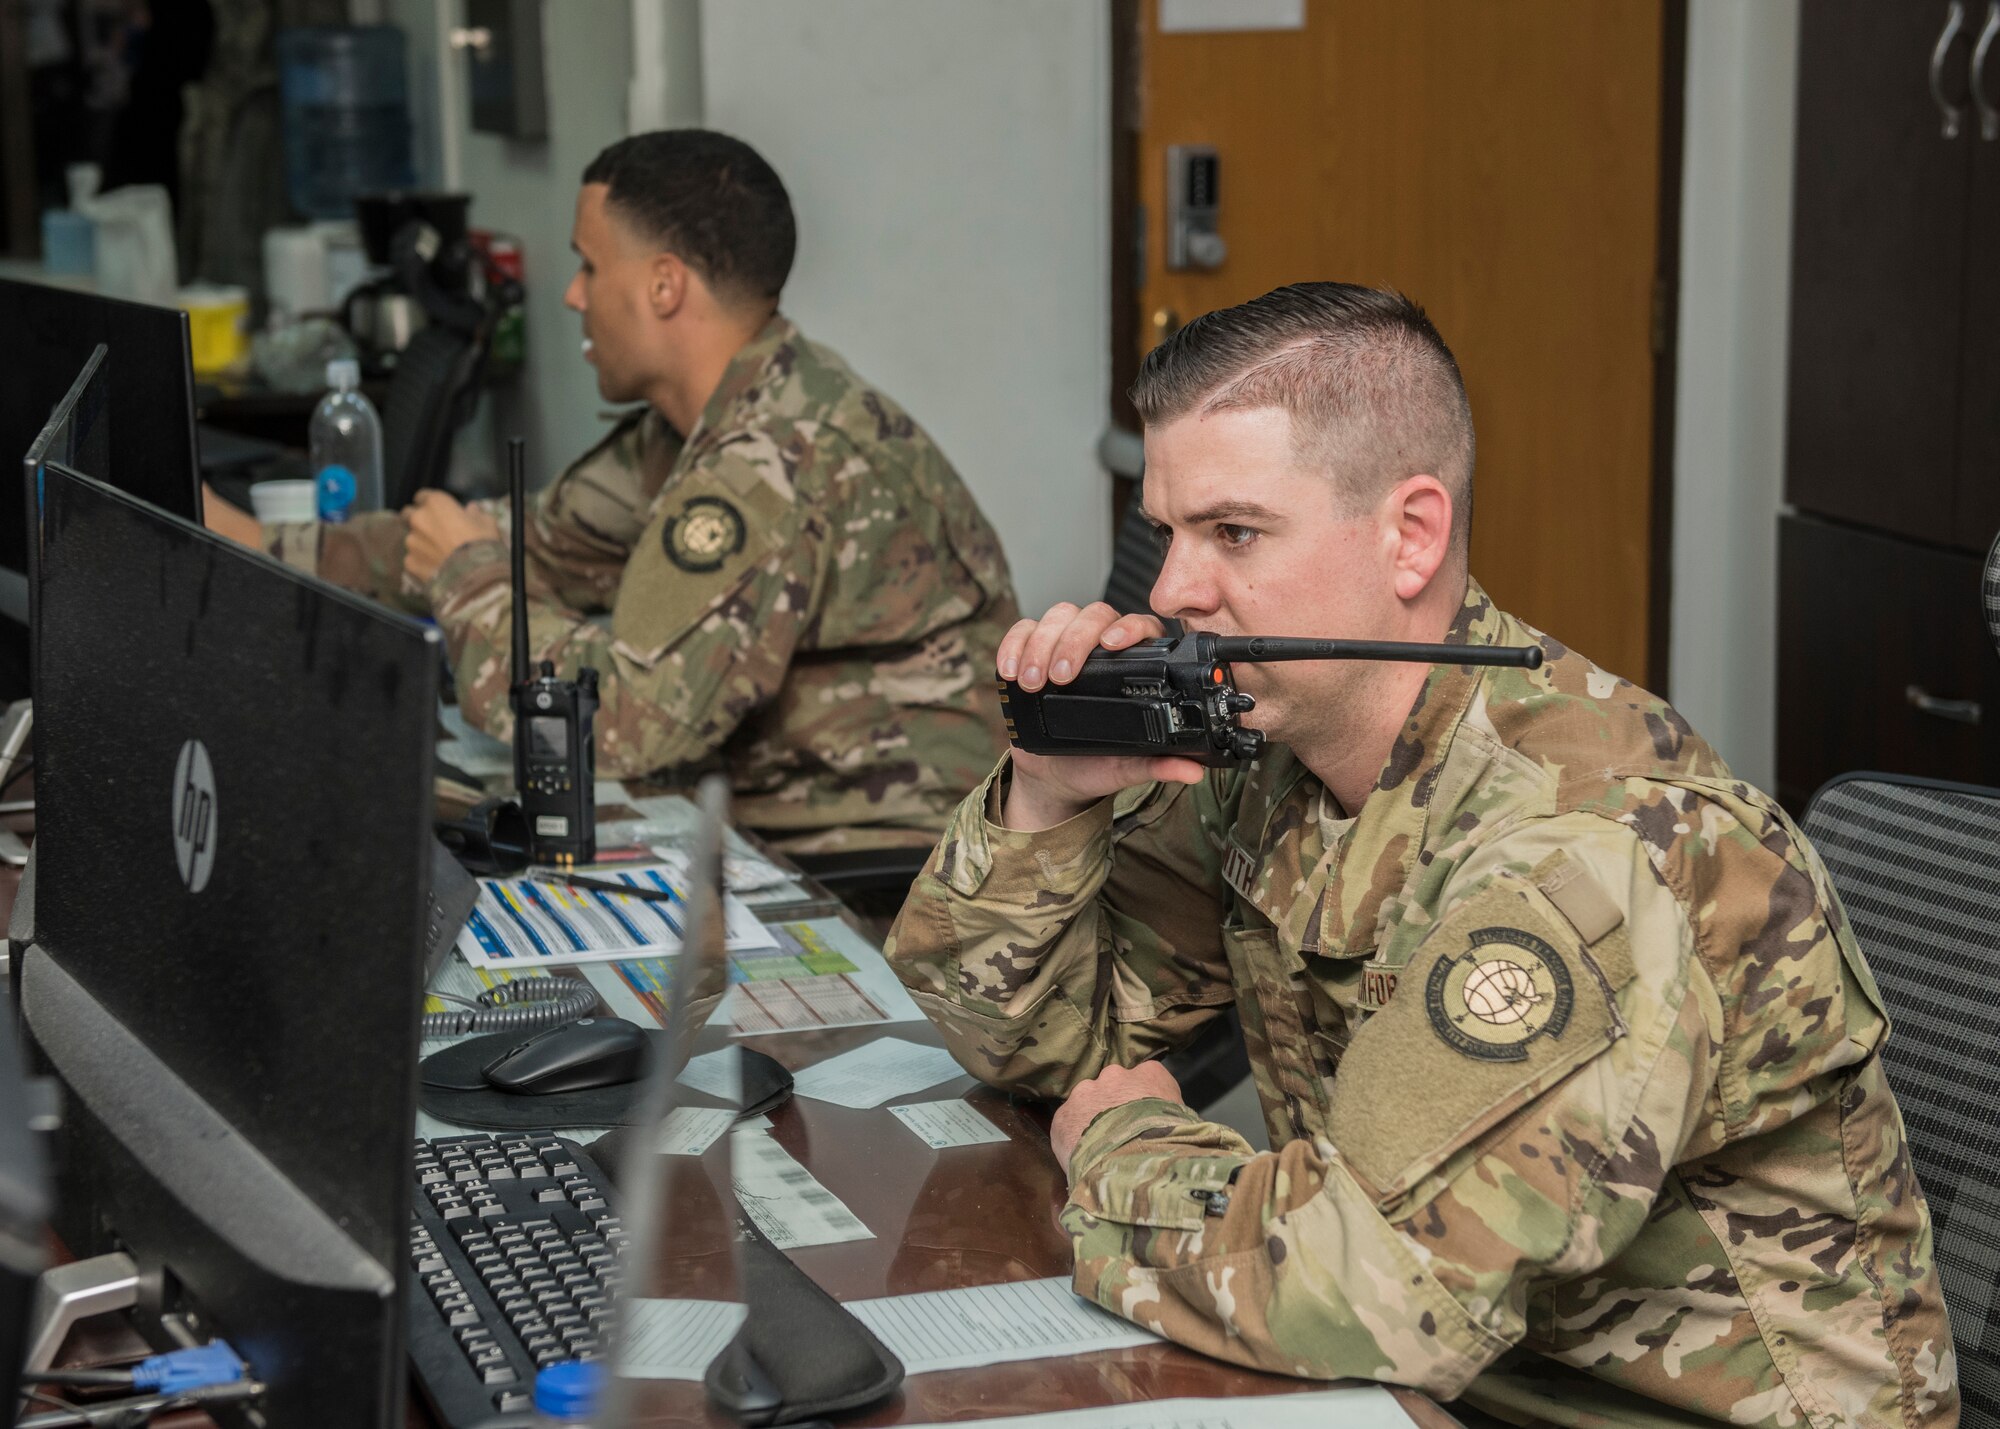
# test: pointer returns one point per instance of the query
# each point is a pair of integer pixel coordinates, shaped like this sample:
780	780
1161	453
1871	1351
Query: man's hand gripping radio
1175	697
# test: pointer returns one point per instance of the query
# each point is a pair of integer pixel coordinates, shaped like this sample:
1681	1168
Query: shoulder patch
707	531
1501	1001
1506	989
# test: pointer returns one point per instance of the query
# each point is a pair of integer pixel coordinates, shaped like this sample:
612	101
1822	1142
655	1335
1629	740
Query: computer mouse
590	1052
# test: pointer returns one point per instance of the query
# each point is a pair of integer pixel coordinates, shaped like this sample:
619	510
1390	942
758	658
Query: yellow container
218	325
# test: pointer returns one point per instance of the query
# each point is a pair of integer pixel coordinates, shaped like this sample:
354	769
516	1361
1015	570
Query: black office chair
1990	591
872	882
1917	865
436	382
431	396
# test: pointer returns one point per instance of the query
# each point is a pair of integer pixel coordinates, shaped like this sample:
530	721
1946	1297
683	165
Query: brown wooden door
1500	164
1878	253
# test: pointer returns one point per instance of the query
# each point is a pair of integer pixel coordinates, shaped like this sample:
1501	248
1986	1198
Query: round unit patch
707	533
1504	991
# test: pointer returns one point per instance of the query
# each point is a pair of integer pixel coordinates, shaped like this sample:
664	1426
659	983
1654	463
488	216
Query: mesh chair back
1135	563
1917	867
1990	591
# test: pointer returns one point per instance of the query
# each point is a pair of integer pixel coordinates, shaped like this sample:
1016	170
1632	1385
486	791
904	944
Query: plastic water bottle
346	445
567	1394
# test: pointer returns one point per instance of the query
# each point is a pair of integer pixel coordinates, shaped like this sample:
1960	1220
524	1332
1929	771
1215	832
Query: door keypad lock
1193	208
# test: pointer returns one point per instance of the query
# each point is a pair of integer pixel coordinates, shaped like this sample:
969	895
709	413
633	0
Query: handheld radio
555	749
1177	697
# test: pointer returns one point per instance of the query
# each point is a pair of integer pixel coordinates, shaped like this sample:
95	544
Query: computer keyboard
514	1252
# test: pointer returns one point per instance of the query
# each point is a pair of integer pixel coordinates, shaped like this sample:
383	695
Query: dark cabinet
1878	260
1892	457
1884	661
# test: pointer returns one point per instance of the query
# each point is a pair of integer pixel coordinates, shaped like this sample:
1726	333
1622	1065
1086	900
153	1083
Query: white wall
1736	206
529	189
949	163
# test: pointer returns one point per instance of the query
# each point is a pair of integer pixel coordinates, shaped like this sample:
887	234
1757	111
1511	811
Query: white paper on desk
610	791
473	750
787	1203
676	1339
994	1324
943	1124
691	1130
1365	1408
868	1076
521	922
823	974
720	1074
673	819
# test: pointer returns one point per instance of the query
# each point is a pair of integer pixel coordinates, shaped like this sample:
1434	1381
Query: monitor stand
66	1294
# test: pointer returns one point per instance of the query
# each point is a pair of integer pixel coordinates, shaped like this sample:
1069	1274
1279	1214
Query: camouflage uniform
1566	1047
803	592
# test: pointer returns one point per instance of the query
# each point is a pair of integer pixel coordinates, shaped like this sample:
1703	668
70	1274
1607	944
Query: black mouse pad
452	1088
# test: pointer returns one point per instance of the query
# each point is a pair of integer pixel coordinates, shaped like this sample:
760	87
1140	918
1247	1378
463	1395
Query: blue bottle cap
569	1389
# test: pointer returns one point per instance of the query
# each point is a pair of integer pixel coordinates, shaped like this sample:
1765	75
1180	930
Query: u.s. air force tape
706	533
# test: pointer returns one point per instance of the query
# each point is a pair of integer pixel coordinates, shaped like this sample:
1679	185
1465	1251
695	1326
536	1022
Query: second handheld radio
555	744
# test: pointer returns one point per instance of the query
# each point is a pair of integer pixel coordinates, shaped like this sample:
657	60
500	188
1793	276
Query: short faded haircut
709	198
1374	394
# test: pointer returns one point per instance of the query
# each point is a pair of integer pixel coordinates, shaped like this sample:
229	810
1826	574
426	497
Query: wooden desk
966	1216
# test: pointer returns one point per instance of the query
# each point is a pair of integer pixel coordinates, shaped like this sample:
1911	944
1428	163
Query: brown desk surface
966	1216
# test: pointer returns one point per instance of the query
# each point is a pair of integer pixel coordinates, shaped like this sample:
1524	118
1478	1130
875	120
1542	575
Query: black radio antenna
517	498
1253	649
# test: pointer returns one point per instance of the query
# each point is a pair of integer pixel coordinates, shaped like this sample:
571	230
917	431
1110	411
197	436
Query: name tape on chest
1378	985
1239	869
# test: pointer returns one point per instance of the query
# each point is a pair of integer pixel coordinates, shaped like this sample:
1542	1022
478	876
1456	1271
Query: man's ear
1416	520
667	282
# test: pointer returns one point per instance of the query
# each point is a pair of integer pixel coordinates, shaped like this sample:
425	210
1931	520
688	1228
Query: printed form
786	1201
675	1339
946	1124
994	1324
525	922
1366	1408
868	1076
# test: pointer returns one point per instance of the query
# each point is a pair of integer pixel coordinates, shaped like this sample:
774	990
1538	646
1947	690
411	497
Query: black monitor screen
233	787
76	432
47	334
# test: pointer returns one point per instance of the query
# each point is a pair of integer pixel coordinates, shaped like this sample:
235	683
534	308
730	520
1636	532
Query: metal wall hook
1954	26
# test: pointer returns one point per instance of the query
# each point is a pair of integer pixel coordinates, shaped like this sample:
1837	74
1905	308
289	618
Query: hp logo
194	815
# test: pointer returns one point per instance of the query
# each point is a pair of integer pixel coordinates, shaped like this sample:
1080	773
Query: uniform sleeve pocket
996	1042
1500	1003
1173	1191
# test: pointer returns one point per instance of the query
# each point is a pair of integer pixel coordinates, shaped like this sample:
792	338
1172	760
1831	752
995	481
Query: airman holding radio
1567	1056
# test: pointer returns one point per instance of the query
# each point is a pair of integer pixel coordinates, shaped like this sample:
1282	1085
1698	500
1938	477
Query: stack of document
536	922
